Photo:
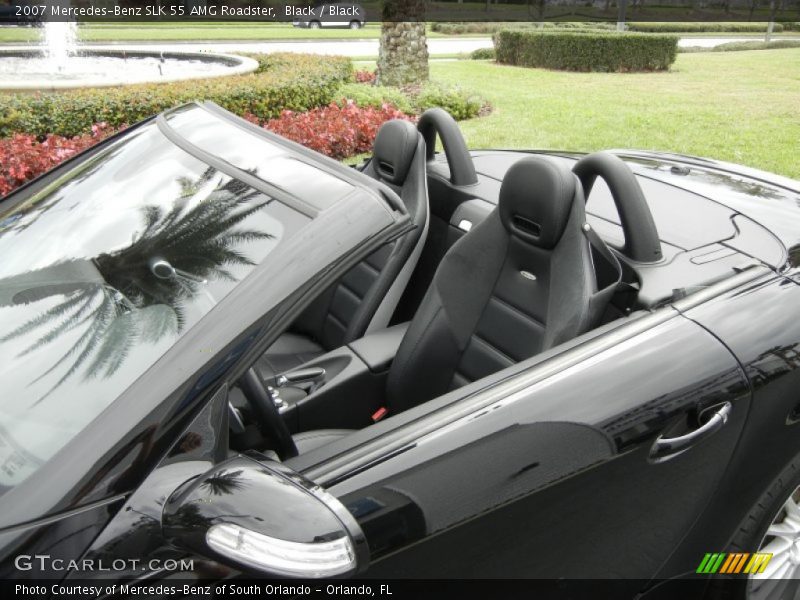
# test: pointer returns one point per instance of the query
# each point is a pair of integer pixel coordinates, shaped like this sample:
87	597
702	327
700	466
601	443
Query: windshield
103	270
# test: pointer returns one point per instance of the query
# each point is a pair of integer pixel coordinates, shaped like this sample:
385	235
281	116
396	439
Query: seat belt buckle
379	414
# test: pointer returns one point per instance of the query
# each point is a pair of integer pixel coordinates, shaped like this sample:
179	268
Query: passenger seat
521	282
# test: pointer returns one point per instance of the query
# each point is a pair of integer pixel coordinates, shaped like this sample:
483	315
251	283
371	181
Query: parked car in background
333	14
22	13
7	14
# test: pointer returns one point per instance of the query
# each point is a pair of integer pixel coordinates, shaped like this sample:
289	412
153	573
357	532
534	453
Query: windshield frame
89	467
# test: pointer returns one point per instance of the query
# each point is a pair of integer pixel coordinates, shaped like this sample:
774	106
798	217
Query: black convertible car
226	355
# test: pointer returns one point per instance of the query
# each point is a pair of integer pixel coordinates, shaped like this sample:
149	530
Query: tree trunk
622	6
540	8
771	24
403	54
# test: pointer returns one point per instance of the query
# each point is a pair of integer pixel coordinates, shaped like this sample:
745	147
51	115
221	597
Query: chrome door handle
665	448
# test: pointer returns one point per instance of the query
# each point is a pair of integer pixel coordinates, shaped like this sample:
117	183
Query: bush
458	102
282	81
489	27
743	45
702	27
23	157
756	45
586	51
336	131
364	76
483	54
374	96
791	26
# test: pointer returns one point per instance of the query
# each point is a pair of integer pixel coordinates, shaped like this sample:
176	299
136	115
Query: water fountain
60	63
60	42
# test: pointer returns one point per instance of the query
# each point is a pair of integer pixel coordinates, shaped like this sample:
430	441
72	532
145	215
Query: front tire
355	25
314	25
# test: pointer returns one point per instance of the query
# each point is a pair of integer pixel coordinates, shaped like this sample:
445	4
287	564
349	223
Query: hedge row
744	45
489	27
720	27
647	27
586	51
282	81
756	45
483	54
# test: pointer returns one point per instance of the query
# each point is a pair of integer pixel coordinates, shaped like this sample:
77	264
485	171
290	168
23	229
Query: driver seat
522	281
365	297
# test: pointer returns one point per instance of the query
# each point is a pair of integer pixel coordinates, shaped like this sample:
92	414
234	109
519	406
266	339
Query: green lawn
738	106
158	32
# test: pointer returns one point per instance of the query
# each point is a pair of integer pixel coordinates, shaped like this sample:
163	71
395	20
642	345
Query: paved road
706	42
436	46
339	47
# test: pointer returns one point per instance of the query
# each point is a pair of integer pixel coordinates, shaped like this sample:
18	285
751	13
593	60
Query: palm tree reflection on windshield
145	285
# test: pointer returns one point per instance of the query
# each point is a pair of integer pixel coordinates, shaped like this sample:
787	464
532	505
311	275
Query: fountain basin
30	70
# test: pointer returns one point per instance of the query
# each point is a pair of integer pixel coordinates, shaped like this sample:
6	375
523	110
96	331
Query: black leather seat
366	296
522	281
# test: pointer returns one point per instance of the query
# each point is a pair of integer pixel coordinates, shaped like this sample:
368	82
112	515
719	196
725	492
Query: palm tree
403	53
140	291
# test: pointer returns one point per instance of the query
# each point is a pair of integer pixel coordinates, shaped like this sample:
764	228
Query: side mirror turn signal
263	518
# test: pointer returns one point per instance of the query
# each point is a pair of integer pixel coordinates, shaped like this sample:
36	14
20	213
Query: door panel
556	480
759	324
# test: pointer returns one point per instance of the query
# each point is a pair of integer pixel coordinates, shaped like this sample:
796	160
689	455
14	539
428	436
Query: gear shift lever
310	377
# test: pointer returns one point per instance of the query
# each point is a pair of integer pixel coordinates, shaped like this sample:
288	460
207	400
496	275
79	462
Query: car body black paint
507	489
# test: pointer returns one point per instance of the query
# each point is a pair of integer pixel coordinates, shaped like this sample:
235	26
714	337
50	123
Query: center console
350	391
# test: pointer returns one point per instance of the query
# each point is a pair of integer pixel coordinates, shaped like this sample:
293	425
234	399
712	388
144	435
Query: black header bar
26	12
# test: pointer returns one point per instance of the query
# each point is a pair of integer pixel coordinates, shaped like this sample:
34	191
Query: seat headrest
535	200
394	150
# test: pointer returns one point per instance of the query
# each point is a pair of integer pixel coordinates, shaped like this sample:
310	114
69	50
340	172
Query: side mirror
264	518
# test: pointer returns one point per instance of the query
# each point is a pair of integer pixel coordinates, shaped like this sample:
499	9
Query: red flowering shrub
23	157
336	131
364	76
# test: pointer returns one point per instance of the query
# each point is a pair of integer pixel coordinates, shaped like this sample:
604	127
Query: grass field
131	32
244	31
738	106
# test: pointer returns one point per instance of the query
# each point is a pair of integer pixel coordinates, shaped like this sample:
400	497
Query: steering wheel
270	421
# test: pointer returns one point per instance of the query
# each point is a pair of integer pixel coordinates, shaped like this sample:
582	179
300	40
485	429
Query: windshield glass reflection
103	271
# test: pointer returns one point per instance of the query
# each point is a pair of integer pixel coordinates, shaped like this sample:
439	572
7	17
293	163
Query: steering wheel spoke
270	421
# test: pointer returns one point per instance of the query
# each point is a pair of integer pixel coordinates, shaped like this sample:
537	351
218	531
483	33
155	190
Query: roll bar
641	236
